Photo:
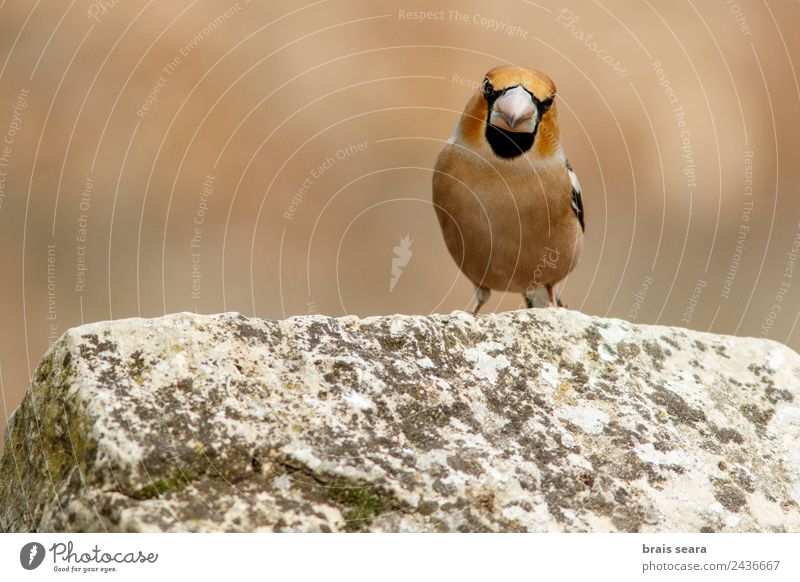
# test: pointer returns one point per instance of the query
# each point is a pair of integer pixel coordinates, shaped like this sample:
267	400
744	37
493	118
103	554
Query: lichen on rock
535	420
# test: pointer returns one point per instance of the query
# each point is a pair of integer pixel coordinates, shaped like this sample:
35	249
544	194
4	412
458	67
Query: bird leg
558	300
481	297
551	296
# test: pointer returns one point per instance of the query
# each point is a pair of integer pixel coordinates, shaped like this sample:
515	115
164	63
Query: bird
507	199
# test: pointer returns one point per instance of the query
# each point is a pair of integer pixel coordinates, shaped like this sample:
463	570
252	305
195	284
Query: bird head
512	104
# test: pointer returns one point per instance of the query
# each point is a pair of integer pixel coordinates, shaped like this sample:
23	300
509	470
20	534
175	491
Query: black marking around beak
511	144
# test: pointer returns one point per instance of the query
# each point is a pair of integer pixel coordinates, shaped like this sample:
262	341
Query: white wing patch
574	179
577	203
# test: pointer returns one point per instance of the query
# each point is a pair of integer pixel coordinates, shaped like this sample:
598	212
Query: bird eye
546	104
488	90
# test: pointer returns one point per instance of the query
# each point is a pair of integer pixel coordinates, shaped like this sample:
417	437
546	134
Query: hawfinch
507	200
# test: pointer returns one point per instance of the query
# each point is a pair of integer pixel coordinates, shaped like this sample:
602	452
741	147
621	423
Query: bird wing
577	201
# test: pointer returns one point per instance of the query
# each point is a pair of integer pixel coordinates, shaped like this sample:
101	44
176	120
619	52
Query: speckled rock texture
538	420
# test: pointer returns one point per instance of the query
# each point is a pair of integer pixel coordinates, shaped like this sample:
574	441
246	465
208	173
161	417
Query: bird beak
514	111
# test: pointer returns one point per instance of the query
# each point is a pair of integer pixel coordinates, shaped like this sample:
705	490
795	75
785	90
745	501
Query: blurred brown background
265	158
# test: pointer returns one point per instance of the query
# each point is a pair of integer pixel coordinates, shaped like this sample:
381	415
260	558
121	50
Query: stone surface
538	420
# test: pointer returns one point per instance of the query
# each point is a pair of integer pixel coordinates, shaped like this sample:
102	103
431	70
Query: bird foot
481	296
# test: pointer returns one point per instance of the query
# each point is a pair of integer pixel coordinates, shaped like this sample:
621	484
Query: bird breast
507	223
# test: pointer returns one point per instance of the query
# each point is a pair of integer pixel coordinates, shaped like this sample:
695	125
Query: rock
538	420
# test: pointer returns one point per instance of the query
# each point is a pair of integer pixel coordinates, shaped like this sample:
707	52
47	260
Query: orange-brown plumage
507	201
